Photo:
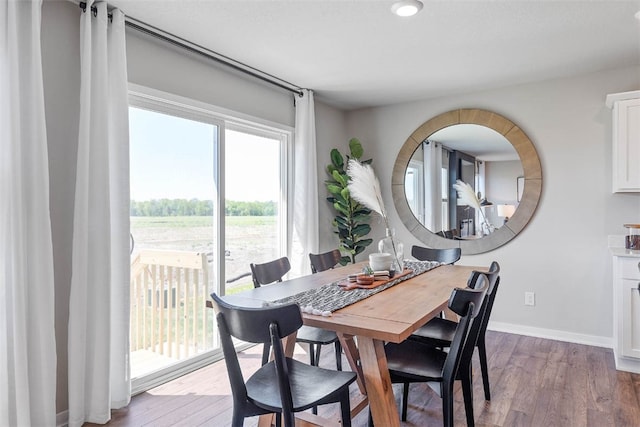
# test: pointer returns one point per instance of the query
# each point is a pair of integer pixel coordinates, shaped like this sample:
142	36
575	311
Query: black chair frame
283	386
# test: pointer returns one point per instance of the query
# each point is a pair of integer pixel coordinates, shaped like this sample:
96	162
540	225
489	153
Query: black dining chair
412	361
445	256
439	332
283	386
273	271
325	260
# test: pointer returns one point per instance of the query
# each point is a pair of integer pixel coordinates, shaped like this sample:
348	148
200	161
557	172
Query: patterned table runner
331	297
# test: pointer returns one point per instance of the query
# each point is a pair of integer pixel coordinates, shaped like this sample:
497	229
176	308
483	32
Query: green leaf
337	206
341	178
341	220
345	260
360	218
345	193
330	169
356	148
334	189
337	159
362	229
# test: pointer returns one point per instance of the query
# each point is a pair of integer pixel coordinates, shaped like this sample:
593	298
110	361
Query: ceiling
356	53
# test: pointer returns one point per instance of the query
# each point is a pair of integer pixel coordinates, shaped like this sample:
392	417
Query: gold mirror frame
530	165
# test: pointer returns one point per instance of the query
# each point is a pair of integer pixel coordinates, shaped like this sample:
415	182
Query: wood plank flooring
534	382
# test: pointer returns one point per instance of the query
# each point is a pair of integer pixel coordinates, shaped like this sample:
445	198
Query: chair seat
310	386
311	335
436	332
415	361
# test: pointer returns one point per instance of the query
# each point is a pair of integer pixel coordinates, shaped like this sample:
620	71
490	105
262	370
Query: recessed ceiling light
637	15
406	7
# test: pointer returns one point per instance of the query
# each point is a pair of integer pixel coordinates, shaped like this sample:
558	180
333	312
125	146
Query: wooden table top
390	315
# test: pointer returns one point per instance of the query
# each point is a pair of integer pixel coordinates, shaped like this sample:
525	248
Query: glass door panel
254	194
173	193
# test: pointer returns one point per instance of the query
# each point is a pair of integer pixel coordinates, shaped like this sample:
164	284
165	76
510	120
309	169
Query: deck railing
168	294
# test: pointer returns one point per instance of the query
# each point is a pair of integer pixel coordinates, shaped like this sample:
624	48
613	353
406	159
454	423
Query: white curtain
27	336
433	185
99	303
305	191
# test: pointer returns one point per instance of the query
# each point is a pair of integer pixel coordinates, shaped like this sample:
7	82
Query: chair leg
237	419
289	419
266	352
447	405
482	352
318	354
338	348
345	408
405	401
312	352
313	361
467	393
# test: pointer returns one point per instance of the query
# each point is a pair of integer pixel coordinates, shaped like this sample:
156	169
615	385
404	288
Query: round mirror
495	162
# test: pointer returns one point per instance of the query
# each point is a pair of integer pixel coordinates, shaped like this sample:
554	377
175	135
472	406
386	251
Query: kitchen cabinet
626	309
626	141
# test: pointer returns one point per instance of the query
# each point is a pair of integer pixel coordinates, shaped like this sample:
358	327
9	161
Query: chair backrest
257	325
467	304
479	325
494	281
324	261
445	256
269	272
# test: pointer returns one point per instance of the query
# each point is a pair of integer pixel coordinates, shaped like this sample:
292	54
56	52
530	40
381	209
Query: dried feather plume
364	188
468	197
466	194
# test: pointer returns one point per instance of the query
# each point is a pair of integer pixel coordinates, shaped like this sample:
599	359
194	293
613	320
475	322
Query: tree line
196	207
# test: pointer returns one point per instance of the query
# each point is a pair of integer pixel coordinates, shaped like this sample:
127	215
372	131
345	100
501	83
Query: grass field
248	239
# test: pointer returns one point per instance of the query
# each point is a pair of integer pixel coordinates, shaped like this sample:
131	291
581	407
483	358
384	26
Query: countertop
624	252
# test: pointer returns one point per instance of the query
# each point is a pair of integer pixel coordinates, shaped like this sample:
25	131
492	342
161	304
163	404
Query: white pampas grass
467	195
364	187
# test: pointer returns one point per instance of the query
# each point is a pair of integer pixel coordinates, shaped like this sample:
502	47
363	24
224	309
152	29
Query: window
208	197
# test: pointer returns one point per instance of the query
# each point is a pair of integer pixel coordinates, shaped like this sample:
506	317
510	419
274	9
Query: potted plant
352	218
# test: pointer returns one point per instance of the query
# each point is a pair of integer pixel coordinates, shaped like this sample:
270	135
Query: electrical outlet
529	298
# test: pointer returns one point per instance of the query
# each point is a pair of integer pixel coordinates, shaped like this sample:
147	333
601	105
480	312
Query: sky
173	158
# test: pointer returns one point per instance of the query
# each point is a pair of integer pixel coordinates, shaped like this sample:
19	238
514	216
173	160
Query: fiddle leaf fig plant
351	222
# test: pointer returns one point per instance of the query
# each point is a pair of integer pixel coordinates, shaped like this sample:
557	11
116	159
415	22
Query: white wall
562	254
151	64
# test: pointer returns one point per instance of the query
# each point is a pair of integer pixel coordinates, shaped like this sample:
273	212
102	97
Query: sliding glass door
208	197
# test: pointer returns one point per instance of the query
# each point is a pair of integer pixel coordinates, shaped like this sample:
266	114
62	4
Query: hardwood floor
534	382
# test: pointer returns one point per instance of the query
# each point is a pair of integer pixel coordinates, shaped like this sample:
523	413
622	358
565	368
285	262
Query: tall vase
391	245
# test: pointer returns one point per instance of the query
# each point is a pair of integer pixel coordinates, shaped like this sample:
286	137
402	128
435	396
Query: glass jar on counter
632	239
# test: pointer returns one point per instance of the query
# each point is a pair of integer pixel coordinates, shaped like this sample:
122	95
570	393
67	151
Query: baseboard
552	334
62	419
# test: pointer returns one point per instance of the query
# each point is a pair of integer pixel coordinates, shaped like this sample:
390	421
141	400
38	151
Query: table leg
351	352
378	383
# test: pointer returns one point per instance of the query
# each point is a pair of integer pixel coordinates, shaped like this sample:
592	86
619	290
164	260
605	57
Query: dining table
364	327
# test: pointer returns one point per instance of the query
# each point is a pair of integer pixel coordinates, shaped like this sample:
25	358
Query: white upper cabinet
626	141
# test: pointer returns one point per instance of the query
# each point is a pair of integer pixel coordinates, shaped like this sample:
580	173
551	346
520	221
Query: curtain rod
167	37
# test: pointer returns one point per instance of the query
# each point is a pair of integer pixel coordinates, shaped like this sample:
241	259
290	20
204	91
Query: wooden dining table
388	316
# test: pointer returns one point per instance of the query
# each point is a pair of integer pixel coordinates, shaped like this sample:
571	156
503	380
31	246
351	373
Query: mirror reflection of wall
475	154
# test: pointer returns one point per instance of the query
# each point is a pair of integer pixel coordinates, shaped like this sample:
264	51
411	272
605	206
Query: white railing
169	290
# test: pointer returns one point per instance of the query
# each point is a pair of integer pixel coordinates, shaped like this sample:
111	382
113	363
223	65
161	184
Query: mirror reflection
476	155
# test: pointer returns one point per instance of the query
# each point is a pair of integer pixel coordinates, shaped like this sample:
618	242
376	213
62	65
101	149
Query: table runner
331	297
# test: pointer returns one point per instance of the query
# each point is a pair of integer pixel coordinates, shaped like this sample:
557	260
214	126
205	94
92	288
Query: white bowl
380	261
